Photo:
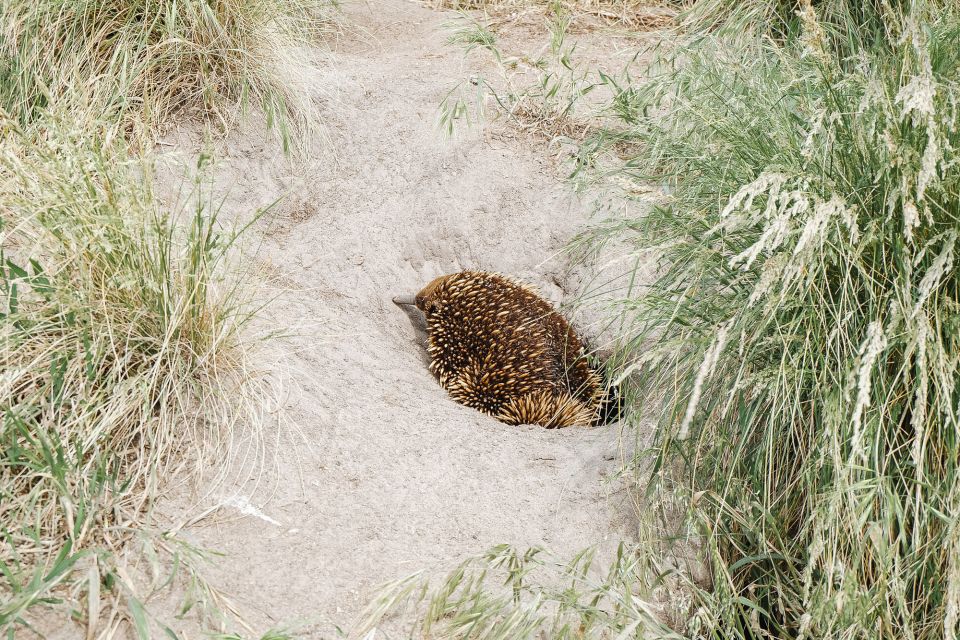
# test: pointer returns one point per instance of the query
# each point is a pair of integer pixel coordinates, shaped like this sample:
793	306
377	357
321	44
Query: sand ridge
391	476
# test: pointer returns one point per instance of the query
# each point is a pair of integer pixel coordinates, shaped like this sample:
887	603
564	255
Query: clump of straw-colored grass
799	337
147	59
120	349
120	352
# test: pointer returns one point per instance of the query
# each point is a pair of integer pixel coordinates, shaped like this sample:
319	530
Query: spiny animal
497	346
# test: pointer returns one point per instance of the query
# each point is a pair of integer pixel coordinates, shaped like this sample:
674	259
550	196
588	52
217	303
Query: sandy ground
383	474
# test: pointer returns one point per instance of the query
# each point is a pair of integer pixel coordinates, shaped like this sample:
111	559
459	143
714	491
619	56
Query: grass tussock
121	362
848	22
120	351
799	338
147	59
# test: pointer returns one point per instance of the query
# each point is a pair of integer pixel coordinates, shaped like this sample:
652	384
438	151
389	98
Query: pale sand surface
383	475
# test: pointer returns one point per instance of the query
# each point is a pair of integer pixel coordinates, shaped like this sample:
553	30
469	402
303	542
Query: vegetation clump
120	346
146	59
120	323
800	334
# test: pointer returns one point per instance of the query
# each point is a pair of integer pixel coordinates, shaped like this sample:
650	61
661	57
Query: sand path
391	476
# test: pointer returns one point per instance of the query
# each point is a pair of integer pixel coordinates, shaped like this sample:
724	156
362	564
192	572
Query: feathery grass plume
146	59
119	353
802	325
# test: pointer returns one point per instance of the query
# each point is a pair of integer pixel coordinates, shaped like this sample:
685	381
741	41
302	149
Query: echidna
497	346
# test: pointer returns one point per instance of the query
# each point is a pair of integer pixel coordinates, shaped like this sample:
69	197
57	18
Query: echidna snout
495	345
424	298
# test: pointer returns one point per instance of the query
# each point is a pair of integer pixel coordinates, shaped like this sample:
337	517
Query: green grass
148	59
799	338
853	22
120	354
122	366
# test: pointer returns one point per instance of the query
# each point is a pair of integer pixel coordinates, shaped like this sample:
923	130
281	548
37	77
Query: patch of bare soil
383	474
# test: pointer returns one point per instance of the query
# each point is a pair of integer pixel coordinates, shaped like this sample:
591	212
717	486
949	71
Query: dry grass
513	594
646	14
120	351
797	340
543	95
148	59
121	362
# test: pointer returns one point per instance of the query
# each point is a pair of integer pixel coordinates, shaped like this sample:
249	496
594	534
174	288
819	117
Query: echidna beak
405	300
